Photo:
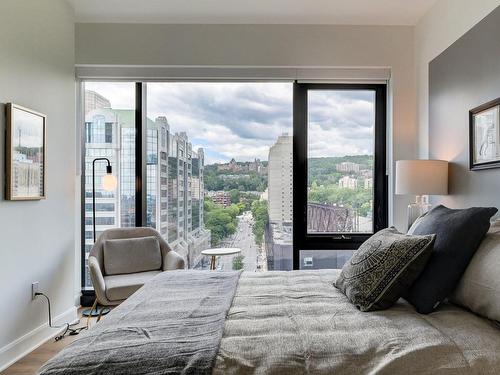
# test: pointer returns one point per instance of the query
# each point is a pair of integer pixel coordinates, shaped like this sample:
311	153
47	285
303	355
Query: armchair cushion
131	255
120	287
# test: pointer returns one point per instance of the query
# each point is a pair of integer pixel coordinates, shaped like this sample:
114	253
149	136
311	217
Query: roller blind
300	74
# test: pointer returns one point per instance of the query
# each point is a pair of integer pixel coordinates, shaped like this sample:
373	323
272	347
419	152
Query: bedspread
298	323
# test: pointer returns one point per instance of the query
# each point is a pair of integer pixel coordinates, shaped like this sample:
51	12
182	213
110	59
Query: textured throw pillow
131	255
479	287
384	267
459	233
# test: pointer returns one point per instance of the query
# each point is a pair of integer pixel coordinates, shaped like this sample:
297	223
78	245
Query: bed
201	322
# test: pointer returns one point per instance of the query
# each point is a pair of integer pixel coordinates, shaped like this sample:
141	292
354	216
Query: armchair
118	268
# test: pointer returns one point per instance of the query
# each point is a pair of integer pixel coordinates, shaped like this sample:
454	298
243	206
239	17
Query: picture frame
484	136
26	151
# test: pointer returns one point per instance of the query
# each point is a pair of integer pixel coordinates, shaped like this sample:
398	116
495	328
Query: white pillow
479	287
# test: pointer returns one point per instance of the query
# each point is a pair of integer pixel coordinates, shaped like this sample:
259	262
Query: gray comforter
172	325
278	323
298	323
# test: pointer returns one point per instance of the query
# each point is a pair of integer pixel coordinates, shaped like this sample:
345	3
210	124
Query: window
108	132
100	221
340	184
109	111
308	261
229	146
222	168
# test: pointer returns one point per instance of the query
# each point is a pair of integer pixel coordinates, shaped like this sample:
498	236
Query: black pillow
459	233
384	267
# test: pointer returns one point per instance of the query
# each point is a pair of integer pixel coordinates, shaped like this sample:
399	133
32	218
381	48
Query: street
244	239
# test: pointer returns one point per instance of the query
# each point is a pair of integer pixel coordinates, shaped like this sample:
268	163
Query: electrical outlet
35	287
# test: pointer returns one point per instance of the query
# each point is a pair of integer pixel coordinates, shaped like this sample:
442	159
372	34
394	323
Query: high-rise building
184	237
221	197
175	181
348	167
102	139
280	204
368	183
280	177
93	100
348	182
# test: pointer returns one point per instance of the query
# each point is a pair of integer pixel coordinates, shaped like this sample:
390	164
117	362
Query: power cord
68	329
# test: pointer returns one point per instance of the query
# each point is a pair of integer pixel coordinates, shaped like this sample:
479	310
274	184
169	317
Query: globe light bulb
109	182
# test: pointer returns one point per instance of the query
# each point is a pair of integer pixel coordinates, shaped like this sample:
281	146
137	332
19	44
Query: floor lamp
421	178
108	184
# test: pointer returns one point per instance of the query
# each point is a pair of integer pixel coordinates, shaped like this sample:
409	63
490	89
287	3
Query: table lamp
421	178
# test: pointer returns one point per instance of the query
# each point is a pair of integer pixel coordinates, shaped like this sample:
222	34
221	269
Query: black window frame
302	240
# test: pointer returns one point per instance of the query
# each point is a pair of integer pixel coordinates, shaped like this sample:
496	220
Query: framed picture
26	154
484	136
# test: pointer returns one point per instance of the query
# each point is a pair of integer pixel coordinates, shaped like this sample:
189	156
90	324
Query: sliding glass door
340	185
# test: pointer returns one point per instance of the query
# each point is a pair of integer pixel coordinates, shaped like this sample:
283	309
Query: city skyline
175	187
244	119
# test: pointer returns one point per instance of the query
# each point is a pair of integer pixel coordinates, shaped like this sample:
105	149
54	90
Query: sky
242	120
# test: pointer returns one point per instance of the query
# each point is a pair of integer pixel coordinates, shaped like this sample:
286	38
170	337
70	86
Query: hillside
324	170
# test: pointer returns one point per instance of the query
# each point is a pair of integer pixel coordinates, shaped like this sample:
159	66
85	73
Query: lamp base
96	312
420	207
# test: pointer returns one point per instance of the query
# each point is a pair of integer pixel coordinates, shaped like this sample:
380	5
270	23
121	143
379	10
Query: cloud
244	119
240	120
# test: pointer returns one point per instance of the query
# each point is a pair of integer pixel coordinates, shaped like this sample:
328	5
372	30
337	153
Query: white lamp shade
422	177
109	182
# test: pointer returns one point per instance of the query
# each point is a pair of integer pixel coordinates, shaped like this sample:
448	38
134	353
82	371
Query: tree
221	220
261	218
235	195
238	263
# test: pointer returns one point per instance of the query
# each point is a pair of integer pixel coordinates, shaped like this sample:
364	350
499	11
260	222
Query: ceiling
341	12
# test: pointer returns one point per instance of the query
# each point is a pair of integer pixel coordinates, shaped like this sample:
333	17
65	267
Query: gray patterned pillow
383	268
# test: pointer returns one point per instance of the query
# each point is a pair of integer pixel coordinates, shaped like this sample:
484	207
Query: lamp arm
108	170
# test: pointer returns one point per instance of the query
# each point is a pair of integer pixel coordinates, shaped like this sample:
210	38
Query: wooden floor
29	364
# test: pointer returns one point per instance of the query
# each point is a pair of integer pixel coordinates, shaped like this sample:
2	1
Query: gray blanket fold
173	325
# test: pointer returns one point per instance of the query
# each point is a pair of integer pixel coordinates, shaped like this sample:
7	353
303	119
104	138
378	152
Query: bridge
331	219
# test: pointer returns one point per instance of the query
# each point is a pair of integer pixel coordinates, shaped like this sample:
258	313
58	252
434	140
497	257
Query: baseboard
25	344
77	299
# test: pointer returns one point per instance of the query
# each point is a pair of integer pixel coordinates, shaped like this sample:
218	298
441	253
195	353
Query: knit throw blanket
172	325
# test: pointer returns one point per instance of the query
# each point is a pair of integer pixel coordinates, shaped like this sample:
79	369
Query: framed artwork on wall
25	154
484	136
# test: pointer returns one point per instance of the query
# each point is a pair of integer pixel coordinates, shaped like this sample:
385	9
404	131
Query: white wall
37	237
271	46
447	21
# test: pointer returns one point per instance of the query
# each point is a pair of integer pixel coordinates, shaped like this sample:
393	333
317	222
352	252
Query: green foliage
221	220
324	171
235	196
213	182
323	179
238	263
226	180
261	218
246	200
